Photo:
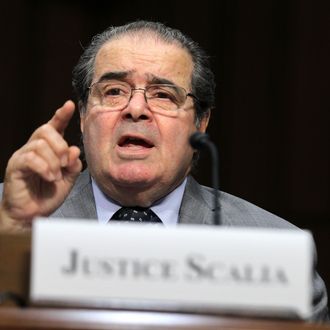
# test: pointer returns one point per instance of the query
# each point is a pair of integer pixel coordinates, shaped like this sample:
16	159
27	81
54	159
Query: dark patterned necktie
136	214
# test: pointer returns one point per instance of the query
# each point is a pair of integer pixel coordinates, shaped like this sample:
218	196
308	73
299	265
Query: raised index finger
62	117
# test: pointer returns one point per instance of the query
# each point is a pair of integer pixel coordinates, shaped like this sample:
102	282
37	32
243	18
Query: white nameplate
183	268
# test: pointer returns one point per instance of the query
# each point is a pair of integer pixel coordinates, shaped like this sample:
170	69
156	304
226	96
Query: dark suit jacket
197	208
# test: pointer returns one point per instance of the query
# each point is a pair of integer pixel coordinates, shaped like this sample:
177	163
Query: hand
41	174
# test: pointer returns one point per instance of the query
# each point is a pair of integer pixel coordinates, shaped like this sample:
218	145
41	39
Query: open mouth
130	141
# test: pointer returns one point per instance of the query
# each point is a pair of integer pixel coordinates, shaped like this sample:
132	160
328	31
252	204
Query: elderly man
143	89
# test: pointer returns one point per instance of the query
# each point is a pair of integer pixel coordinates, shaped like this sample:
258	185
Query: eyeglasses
116	95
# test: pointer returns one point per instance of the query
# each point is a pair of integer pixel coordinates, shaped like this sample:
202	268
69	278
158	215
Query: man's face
136	155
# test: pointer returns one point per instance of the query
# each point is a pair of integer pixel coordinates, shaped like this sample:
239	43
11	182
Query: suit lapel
80	203
196	207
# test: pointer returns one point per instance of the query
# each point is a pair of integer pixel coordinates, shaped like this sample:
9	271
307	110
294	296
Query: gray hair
202	81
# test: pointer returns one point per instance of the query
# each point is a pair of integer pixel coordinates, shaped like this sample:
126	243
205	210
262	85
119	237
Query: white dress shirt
167	208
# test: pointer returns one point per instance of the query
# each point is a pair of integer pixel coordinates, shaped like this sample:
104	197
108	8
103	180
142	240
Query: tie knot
136	214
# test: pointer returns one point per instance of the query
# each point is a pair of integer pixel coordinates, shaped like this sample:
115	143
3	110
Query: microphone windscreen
198	140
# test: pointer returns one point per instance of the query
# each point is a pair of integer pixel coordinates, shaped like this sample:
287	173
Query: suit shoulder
236	211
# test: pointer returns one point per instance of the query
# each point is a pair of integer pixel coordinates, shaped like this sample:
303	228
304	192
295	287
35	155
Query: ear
204	122
82	117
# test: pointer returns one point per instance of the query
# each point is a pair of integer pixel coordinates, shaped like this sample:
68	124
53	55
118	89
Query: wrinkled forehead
145	56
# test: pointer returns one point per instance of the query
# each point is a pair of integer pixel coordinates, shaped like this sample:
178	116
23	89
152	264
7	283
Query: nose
137	108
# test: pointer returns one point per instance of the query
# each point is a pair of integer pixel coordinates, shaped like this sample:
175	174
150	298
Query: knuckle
15	155
43	129
33	162
29	157
15	158
40	132
40	143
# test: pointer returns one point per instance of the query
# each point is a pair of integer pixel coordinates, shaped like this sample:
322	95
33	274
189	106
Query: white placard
203	268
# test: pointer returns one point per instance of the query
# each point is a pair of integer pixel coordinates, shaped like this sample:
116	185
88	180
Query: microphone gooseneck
199	141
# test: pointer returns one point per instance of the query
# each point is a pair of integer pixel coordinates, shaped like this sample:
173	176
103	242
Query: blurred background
271	59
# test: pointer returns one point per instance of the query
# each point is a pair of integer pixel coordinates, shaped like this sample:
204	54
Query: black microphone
199	141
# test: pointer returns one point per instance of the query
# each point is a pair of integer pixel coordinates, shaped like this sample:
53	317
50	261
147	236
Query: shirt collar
167	208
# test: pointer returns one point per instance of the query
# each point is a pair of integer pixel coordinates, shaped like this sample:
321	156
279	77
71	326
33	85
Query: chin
134	175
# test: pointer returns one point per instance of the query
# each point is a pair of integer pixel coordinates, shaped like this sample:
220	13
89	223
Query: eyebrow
124	75
159	80
114	75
